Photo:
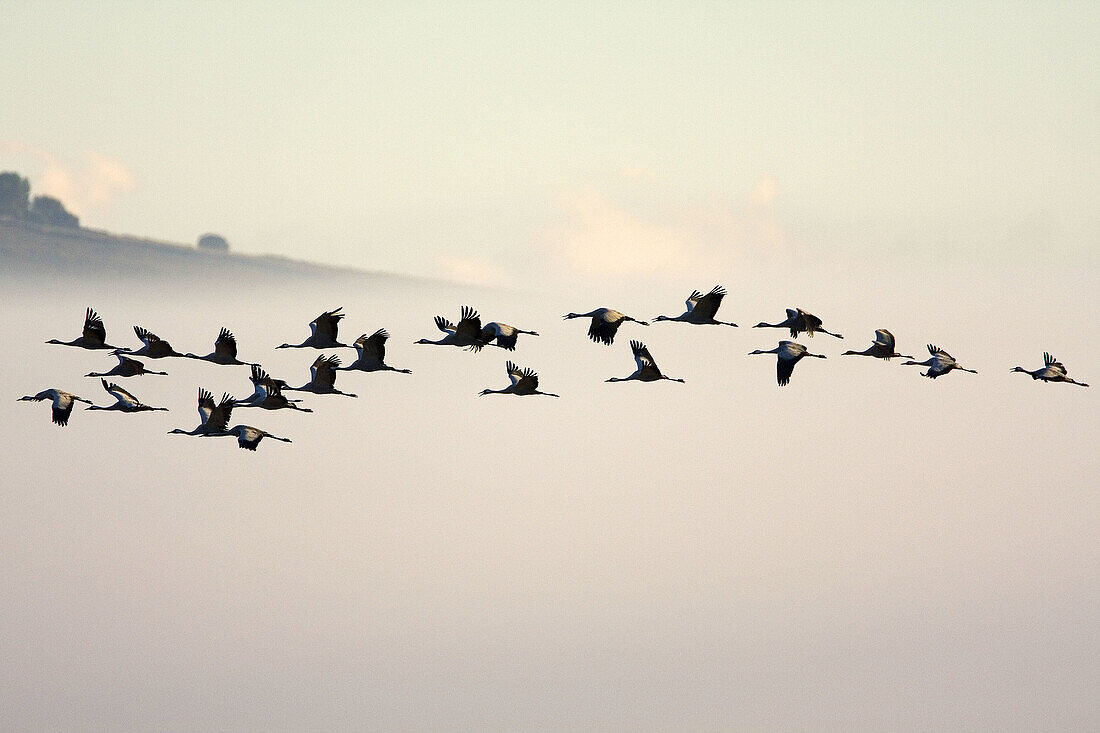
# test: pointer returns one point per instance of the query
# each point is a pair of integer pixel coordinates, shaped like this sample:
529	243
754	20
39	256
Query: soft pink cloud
92	182
470	270
636	228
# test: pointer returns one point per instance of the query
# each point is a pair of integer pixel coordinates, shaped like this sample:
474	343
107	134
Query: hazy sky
505	142
863	549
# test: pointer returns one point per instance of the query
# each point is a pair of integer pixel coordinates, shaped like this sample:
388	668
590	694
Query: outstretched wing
528	381
121	395
147	337
514	372
693	300
470	325
706	306
373	347
62	408
226	344
94	330
783	370
219	414
885	339
323	371
206	405
605	324
642	357
326	325
810	322
444	325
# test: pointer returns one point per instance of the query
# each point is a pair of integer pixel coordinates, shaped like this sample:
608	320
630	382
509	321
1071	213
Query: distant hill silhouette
29	249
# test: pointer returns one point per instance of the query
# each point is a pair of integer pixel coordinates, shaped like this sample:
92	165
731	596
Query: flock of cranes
469	333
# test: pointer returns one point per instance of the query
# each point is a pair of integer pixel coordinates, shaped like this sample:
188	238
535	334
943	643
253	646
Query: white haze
864	549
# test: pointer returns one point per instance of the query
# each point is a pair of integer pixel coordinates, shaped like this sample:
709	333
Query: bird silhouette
605	324
62	403
247	436
94	335
524	382
126	367
154	346
788	353
268	393
213	417
647	369
701	309
799	321
1051	371
225	351
941	363
503	335
372	354
882	348
323	332
124	401
467	334
322	377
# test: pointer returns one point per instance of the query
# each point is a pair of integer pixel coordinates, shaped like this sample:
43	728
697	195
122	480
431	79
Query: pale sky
485	140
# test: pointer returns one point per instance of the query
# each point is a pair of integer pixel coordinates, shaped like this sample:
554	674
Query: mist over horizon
862	549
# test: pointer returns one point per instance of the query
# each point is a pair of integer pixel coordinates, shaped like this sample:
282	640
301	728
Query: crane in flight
788	353
701	309
524	382
647	369
605	324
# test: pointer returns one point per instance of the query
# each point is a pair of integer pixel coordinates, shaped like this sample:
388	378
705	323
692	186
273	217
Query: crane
372	354
788	353
213	417
322	377
467	334
323	332
799	321
524	382
882	348
124	401
1051	371
94	335
701	309
225	351
605	323
62	403
647	369
126	367
940	363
